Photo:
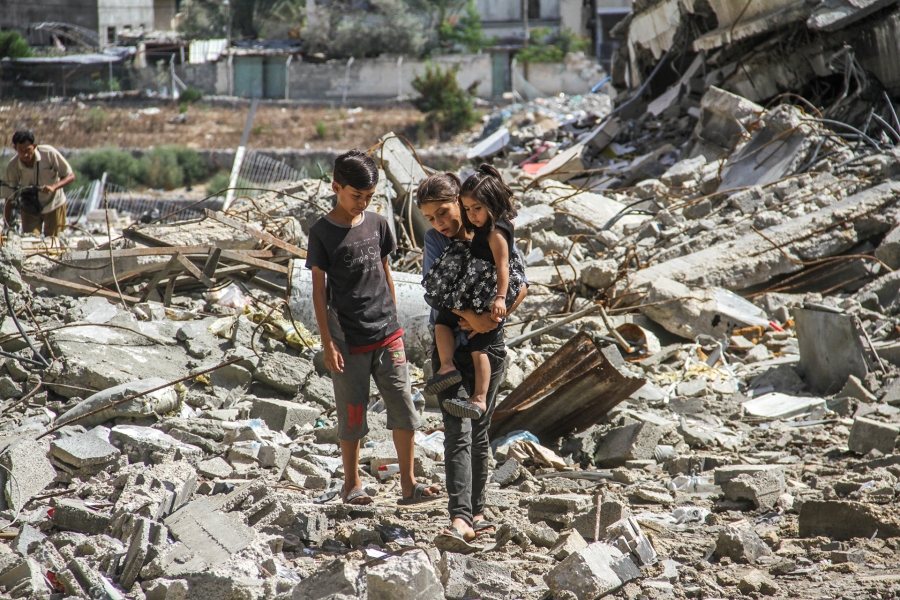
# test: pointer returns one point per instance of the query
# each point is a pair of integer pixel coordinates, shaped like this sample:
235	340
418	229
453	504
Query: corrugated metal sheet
204	51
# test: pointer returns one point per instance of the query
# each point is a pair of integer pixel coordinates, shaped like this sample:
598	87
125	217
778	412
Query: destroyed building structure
702	396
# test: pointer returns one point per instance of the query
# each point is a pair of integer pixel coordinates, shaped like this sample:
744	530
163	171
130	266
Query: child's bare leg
445	342
482	379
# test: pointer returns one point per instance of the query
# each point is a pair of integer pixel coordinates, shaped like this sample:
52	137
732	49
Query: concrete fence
381	78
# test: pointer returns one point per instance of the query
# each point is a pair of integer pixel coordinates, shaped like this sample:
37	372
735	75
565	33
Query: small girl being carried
484	274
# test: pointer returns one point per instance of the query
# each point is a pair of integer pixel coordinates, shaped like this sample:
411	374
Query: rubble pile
701	397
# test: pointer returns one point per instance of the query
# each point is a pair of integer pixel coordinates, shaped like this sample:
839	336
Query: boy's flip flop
454	542
439	383
418	496
482	525
463	409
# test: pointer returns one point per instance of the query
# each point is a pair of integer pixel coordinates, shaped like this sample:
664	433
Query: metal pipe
12	313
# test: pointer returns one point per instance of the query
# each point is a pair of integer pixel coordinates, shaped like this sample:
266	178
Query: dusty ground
79	125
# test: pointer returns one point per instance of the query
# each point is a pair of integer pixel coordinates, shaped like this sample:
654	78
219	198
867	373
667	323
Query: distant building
108	18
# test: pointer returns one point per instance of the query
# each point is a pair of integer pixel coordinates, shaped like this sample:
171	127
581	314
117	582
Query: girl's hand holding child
498	308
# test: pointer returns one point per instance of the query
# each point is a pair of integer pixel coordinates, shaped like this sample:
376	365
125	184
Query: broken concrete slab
762	488
869	434
27	472
631	442
409	576
776	405
141	443
281	415
560	509
629	538
827	372
723	121
469	577
26	578
284	373
83	450
154	403
339	579
73	515
592	572
568	543
750	259
740	542
845	520
689	312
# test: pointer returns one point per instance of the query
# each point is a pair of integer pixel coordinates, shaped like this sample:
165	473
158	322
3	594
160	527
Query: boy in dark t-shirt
357	317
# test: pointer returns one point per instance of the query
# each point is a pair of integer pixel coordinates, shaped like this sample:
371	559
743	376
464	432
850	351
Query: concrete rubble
702	396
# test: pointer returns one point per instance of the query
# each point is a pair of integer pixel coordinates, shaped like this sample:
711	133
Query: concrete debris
705	370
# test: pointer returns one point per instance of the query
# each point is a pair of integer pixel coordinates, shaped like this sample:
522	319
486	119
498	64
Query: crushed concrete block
628	537
683	171
469	577
285	373
600	274
73	515
612	509
83	450
740	543
631	442
568	543
141	443
274	456
27	472
214	468
542	535
319	390
762	488
155	403
25	580
138	550
868	434
845	520
27	537
693	388
827	372
889	249
558	508
281	415
339	579
756	582
361	537
854	388
507	473
689	312
310	524
593	571
155	492
409	576
210	535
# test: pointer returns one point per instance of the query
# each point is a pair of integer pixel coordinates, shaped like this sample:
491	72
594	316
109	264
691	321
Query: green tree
544	47
465	30
446	105
13	45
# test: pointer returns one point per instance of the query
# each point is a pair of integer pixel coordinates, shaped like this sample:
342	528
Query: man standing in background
43	166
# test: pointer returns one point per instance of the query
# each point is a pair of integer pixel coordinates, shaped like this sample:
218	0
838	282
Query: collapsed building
702	389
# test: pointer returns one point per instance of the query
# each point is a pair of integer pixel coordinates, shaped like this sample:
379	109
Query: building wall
163	13
15	14
511	10
575	76
122	13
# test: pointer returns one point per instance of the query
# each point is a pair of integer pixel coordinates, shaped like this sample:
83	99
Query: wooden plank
170	287
262	264
35	279
212	262
265	236
84	255
193	270
173	262
136	236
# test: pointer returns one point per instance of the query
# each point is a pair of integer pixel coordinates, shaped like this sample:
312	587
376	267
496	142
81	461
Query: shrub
161	169
446	105
218	183
96	120
321	129
13	45
191	95
192	164
543	48
121	167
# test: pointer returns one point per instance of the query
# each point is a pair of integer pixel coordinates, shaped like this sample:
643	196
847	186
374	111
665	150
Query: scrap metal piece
571	391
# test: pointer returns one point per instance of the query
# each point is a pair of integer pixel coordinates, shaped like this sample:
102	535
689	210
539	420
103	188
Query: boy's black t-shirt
357	287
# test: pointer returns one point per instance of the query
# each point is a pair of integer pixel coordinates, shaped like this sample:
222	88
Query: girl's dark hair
487	187
356	169
440	187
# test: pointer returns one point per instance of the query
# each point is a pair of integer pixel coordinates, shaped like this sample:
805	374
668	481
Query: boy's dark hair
487	187
356	169
23	136
440	187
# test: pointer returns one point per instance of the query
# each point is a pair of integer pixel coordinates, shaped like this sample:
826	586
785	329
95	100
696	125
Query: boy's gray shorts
390	370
